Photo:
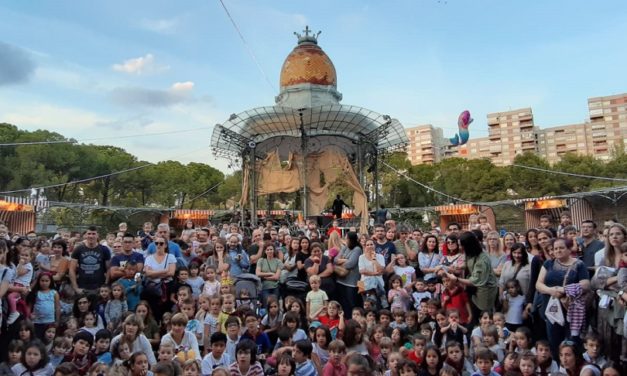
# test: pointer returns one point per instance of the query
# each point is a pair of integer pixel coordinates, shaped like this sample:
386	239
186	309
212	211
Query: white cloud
140	65
182	86
161	26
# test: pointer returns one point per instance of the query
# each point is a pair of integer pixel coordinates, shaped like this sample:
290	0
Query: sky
154	77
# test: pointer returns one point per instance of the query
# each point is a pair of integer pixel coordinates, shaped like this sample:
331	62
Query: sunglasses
160	243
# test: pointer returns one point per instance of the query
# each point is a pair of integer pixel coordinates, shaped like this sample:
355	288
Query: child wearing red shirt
454	297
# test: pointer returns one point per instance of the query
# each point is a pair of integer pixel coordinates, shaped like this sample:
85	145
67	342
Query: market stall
461	213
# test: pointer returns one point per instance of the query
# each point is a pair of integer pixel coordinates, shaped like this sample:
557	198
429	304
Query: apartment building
425	144
514	132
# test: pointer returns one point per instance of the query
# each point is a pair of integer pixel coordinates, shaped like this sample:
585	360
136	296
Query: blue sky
98	69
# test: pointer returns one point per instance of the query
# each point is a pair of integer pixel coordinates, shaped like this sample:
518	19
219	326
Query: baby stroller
251	284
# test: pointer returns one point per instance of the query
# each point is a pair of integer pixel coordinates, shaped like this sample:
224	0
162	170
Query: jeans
556	334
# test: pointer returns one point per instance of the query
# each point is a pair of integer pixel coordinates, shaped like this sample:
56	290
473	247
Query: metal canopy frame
363	134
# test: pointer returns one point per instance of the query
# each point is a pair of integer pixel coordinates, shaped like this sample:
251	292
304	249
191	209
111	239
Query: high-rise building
608	124
425	144
513	132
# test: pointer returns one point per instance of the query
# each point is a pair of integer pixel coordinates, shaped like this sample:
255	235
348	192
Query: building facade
514	132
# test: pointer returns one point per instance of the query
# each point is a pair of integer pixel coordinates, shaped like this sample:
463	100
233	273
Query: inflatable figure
463	121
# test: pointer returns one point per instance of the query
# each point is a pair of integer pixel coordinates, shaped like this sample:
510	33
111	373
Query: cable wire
570	173
248	48
424	185
102	138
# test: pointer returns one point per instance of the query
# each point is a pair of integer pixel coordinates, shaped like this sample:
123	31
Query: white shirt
209	363
152	263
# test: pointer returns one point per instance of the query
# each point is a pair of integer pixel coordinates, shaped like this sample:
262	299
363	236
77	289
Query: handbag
154	288
554	312
566	300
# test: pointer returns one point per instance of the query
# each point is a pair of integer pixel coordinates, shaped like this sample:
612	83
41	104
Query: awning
191	214
24	202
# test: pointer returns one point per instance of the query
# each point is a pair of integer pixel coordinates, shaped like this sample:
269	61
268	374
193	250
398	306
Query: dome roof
308	63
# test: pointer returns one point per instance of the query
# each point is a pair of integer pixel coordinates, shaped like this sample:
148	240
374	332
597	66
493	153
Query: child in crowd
101	347
80	355
415	355
210	323
316	299
212	285
455	297
116	307
513	304
60	346
20	285
34	360
217	357
399	319
271	321
484	360
44	304
398	297
528	364
132	284
523	341
15	355
302	356
335	366
166	352
88	322
546	364
104	295
593	354
195	280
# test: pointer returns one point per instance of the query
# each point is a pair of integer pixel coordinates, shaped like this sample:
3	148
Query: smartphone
138	275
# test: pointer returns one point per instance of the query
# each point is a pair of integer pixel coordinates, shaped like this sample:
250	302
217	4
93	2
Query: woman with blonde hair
132	332
495	252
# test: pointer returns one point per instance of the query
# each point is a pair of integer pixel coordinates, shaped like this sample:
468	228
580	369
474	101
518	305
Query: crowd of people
224	300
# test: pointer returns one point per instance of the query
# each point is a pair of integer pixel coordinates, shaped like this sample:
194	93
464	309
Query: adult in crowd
455	260
556	279
383	246
159	270
163	231
289	269
90	263
588	243
132	332
219	257
237	257
429	257
348	259
481	278
338	206
303	254
495	252
269	270
406	246
6	275
334	244
85	303
572	362
509	239
120	260
611	255
59	261
321	265
184	342
151	328
371	268
531	241
517	267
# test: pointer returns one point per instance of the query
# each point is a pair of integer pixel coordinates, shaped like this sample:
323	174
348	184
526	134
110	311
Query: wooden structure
20	214
461	213
580	209
178	218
